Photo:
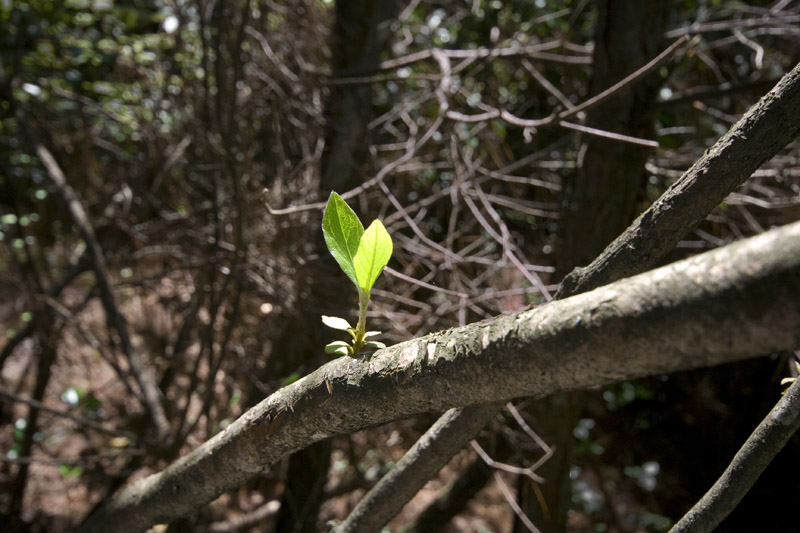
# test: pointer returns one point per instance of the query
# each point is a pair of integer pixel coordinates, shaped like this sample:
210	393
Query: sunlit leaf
375	345
338	348
342	231
374	251
336	323
371	334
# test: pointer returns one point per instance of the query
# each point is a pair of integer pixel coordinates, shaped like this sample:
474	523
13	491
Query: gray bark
769	126
684	205
725	305
756	454
359	38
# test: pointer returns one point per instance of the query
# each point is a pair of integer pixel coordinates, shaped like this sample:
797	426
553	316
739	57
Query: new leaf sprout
362	255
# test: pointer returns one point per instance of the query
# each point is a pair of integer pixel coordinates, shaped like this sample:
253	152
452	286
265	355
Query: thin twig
66	414
512	501
528	472
412	149
152	396
627	80
392	272
608	134
769	438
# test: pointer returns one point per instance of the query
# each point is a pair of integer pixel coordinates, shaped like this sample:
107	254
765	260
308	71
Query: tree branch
436	447
769	126
725	305
750	461
722	169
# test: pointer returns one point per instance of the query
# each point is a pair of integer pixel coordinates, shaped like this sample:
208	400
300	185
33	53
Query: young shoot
361	255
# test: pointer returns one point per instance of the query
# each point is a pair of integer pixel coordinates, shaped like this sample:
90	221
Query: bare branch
744	298
608	134
91	424
628	80
769	126
152	396
557	117
685	210
529	472
412	147
512	501
538	51
427	455
755	455
708	27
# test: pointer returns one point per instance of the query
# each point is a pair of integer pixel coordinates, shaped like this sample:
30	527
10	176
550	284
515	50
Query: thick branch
642	245
725	305
750	461
769	126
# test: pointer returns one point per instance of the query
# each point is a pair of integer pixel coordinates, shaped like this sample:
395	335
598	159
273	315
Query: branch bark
755	455
598	204
655	233
417	466
769	126
359	38
725	305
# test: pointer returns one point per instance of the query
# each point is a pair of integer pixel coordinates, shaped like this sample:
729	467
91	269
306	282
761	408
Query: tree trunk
600	201
358	39
360	35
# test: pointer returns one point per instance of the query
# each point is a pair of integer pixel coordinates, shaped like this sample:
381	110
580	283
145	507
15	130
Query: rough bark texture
750	143
725	305
635	251
766	128
752	459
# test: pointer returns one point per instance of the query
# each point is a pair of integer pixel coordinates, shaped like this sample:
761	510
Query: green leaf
371	334
374	251
377	345
342	231
336	323
291	378
339	348
70	470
